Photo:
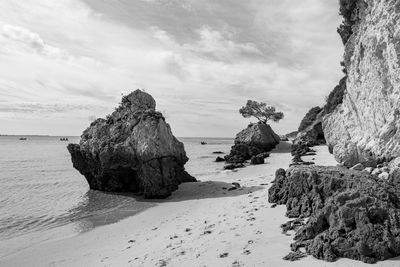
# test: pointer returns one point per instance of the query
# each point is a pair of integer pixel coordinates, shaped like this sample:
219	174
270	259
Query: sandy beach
201	224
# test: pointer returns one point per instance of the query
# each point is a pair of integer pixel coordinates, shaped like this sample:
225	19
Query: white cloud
201	60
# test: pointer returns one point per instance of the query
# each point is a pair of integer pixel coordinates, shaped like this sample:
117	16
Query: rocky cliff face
366	126
132	150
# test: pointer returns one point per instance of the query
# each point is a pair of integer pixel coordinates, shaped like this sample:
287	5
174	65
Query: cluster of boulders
383	170
132	150
351	213
251	144
300	149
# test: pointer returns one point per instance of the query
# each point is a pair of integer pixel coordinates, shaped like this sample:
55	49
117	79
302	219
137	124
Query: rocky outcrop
313	134
365	128
352	214
132	150
252	141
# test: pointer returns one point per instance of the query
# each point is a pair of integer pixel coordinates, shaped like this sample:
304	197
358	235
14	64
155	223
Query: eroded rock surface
132	150
365	128
352	214
253	141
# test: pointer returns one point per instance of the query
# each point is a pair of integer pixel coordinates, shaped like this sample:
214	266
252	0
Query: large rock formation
253	141
366	126
132	150
352	214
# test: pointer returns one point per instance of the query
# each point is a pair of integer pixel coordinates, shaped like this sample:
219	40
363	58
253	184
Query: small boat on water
203	143
22	138
63	139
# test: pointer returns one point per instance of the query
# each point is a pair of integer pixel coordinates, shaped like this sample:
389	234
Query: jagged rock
255	139
132	150
257	160
352	214
366	126
219	159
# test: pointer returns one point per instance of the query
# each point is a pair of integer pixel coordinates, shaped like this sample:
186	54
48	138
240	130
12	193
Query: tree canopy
261	111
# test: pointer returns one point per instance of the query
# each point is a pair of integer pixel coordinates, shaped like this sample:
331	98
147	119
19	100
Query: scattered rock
257	160
224	255
234	166
219	159
237	185
132	150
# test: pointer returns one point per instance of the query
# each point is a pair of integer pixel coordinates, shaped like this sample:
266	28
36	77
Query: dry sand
201	224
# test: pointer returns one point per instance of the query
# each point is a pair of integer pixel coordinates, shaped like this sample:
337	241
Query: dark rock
263	155
295	256
292	225
234	166
256	160
284	138
237	185
132	150
219	159
352	214
252	141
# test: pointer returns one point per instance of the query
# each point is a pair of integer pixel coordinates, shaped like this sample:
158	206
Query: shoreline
201	224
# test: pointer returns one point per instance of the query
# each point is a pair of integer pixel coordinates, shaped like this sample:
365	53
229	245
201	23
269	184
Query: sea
43	198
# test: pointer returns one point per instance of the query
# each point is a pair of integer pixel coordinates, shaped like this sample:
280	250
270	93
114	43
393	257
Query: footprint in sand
236	264
247	252
224	255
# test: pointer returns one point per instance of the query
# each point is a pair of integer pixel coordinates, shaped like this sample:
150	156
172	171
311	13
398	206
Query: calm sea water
43	198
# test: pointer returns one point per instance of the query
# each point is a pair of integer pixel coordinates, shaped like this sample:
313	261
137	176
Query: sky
64	63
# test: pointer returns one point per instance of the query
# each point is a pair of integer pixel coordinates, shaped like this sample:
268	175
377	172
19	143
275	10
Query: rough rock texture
313	134
256	160
252	141
365	127
352	214
133	150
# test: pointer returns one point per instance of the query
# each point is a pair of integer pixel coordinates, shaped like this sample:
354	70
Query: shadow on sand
202	190
103	208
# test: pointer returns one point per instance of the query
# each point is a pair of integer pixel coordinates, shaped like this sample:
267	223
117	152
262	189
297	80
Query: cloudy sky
65	62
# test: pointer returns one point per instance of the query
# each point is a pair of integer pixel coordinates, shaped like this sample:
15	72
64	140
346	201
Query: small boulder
257	160
219	159
233	166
